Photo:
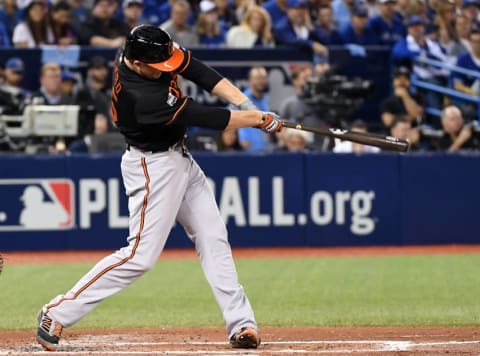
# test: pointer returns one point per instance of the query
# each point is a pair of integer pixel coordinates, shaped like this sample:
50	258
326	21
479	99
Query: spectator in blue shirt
324	30
471	9
159	12
211	34
358	32
402	8
4	37
294	31
251	139
79	13
151	11
471	61
342	10
226	14
416	44
9	16
14	75
277	10
388	27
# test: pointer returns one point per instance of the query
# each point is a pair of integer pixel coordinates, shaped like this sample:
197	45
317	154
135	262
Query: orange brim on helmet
171	63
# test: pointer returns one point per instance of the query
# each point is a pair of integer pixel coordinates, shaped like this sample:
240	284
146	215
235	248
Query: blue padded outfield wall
281	199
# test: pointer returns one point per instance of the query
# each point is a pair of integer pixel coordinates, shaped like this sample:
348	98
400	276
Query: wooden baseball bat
384	142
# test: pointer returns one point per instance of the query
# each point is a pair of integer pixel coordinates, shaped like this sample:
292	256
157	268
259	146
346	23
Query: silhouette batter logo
36	204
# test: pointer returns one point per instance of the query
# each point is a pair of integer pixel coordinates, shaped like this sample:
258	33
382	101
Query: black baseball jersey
153	114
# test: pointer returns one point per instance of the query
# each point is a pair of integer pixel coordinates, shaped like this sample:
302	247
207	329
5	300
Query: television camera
334	98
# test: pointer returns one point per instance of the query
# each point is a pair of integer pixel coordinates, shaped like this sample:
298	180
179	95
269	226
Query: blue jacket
276	14
285	35
386	33
4	37
323	36
368	37
465	61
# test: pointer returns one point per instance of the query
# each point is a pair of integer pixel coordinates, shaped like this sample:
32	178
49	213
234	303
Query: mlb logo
36	204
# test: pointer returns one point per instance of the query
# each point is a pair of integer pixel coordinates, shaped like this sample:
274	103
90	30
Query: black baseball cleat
48	332
245	338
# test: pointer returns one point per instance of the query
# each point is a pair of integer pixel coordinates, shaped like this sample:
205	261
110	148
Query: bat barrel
385	142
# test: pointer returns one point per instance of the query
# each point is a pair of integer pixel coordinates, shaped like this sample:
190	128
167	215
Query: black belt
179	146
155	150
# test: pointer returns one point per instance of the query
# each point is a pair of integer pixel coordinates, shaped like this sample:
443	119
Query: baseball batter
164	183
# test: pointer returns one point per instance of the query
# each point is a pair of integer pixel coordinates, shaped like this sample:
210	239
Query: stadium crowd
443	30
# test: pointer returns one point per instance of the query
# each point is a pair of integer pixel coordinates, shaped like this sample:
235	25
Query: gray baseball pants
162	187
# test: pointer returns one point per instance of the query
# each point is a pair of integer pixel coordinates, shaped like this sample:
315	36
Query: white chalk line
377	346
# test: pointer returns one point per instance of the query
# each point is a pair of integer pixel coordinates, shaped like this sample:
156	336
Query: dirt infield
276	340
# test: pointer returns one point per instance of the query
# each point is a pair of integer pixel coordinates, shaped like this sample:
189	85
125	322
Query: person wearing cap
471	9
415	45
14	73
453	35
164	183
34	30
178	27
132	13
294	30
255	30
470	61
358	32
210	32
402	102
387	26
103	29
95	92
69	80
15	97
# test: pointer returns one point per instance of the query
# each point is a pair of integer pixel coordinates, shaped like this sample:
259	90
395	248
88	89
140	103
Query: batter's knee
143	264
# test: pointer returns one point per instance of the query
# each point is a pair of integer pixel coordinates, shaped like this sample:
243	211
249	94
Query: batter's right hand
270	122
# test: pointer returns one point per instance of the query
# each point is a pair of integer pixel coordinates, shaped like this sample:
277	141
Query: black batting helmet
153	46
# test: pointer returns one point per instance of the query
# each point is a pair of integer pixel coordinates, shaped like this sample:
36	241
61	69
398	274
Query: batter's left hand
270	122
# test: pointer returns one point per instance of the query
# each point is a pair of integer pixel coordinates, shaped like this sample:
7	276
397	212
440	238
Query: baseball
3	216
298	127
